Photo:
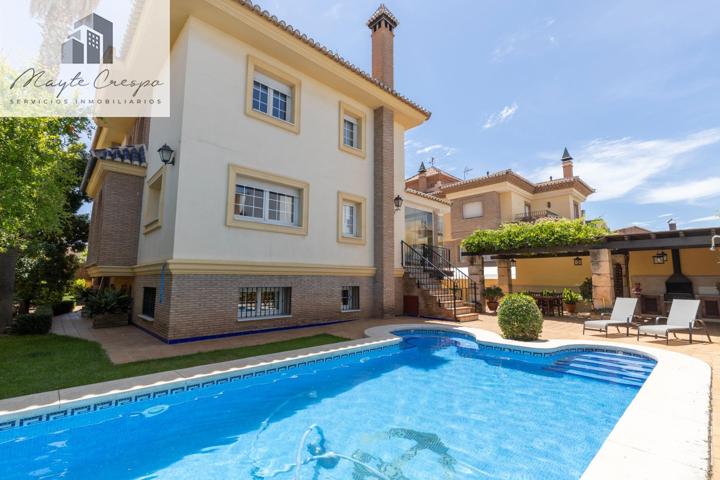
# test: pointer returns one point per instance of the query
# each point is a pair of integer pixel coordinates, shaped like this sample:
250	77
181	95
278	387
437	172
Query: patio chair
622	314
681	318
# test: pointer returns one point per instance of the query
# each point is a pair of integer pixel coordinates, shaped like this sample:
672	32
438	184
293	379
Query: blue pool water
437	406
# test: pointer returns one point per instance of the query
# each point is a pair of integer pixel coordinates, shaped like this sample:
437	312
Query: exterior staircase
452	291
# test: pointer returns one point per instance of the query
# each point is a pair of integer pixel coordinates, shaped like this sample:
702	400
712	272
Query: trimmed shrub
106	301
32	324
520	318
586	288
66	306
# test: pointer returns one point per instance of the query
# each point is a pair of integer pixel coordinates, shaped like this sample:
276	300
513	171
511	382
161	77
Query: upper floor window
352	130
576	210
272	95
351	218
264	201
472	210
154	201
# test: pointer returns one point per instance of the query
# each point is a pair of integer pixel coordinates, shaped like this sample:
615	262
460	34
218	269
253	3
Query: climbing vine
561	232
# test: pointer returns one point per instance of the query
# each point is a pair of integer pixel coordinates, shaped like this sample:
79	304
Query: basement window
263	302
350	299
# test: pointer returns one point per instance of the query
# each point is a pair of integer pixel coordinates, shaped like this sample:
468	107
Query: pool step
605	366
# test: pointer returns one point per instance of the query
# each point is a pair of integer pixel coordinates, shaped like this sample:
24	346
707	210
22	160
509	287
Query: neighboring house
502	197
278	208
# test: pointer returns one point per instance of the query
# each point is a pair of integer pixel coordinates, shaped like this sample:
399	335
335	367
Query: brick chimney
383	23
422	178
567	164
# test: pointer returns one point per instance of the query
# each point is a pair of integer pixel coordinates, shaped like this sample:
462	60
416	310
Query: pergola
603	253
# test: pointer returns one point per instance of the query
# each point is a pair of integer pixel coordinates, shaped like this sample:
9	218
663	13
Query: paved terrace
130	344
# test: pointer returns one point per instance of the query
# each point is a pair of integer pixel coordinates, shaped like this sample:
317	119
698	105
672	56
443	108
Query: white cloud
437	149
616	168
665	215
502	116
683	192
711	218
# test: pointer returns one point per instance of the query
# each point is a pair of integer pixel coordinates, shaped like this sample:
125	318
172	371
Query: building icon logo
91	41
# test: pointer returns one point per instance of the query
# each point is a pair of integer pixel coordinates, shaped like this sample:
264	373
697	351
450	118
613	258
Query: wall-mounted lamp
513	262
167	155
577	261
398	201
659	258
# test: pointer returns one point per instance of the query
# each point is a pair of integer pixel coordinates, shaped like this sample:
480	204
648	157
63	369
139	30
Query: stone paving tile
129	344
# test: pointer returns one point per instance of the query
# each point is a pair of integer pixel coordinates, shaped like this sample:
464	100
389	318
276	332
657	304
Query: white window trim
278	182
360	218
357	116
280	81
474	202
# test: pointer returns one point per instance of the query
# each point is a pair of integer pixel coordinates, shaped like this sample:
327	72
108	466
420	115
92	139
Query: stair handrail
456	270
426	261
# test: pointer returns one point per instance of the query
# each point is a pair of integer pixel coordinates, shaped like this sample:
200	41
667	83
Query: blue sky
631	88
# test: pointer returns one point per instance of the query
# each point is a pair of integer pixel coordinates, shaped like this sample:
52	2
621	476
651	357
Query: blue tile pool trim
101	404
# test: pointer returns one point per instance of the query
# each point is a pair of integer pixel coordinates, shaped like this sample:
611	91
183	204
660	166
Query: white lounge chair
622	314
681	318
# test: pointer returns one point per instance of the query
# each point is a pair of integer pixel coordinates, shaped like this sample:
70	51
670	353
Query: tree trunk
8	259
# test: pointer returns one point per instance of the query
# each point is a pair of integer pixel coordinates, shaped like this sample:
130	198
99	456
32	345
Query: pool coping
664	432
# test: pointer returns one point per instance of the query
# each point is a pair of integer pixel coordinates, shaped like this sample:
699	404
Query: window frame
482	209
275	74
360	204
285	301
152	224
303	188
360	118
147	316
353	299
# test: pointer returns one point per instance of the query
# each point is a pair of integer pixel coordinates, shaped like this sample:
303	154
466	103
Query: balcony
531	216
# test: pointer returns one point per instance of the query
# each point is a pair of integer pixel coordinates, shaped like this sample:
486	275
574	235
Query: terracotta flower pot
570	307
492	304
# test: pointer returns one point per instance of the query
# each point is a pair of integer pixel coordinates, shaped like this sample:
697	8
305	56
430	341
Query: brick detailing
384	212
203	305
382	54
462	227
115	223
567	166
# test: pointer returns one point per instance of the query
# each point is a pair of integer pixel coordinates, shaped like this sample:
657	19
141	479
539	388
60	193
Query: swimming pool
437	405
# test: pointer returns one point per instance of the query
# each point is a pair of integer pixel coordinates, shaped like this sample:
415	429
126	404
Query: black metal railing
534	215
434	273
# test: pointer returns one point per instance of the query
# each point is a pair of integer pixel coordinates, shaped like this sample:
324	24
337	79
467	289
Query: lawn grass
38	363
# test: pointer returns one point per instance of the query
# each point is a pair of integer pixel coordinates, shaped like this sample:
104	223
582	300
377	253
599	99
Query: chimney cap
382	12
566	156
422	168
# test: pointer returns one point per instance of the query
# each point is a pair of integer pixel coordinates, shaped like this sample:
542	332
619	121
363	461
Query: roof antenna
465	172
432	161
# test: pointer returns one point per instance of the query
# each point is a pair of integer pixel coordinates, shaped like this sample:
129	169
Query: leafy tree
39	159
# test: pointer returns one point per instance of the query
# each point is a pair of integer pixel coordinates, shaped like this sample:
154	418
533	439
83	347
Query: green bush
571	297
32	323
520	318
586	288
66	306
106	301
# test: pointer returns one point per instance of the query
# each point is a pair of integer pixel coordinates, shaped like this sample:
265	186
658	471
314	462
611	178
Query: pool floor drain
155	410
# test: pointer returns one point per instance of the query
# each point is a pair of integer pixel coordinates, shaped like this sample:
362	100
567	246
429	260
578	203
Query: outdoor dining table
549	305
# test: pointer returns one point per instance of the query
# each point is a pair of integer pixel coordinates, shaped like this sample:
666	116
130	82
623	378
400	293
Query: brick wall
203	305
382	55
384	212
115	225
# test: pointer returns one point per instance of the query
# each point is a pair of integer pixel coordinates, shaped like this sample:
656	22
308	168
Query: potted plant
570	299
492	294
107	308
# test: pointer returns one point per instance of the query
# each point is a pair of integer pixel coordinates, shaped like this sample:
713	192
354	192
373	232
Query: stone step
467	317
